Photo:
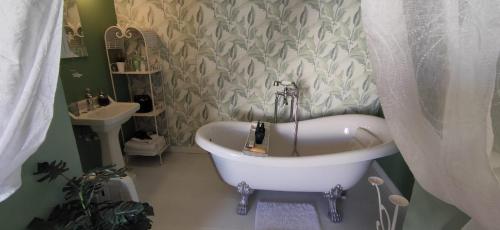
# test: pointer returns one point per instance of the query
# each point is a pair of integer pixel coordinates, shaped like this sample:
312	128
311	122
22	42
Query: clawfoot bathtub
335	153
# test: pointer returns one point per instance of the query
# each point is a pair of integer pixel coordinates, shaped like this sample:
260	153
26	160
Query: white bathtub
331	153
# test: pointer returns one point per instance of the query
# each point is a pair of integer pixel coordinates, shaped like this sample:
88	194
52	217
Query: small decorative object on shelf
134	54
136	62
120	63
396	200
83	207
146	144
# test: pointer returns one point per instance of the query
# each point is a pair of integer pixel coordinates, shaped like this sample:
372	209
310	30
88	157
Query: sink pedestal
106	122
111	152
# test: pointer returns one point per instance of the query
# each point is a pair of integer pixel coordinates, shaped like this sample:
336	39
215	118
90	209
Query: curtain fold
435	63
29	56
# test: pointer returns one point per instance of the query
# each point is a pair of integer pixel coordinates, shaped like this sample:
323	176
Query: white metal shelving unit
118	39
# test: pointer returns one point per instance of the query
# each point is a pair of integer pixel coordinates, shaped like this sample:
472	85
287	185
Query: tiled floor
187	194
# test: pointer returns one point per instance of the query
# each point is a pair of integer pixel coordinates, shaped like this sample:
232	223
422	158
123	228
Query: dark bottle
260	133
102	100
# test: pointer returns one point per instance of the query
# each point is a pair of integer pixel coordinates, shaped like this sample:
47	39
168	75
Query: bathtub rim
353	156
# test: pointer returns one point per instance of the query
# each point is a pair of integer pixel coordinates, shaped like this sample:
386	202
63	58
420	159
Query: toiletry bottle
143	64
260	133
136	62
89	99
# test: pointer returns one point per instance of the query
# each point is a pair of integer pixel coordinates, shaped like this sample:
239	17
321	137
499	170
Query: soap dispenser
102	100
260	133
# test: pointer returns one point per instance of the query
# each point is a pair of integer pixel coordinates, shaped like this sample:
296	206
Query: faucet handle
88	93
285	83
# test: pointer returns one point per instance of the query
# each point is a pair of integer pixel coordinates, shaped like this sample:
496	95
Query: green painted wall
96	16
35	199
400	174
430	213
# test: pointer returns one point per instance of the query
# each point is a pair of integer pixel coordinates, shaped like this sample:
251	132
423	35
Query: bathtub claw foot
333	196
245	191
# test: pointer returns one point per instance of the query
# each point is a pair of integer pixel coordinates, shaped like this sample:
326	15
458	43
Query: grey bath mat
286	216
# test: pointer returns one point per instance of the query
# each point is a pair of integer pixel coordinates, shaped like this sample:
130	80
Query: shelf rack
137	72
122	41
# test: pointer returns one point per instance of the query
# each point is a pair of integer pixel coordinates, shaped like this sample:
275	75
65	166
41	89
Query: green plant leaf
51	170
199	16
251	16
303	17
350	70
251	68
357	17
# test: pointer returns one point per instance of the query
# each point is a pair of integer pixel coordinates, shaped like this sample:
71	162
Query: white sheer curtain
435	63
30	45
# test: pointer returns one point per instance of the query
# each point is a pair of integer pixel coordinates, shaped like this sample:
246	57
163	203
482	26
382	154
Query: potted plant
120	63
82	210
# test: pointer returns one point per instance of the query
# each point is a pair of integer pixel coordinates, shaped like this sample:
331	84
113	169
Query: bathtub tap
290	90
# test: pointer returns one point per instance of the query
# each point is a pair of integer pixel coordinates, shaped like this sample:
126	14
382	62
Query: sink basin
106	122
106	117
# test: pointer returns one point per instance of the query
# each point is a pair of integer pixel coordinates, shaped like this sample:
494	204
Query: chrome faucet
90	100
291	90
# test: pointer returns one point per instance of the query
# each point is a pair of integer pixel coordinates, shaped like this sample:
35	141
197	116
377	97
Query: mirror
72	44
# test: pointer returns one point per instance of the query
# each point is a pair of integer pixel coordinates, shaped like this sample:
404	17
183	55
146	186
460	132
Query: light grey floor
187	194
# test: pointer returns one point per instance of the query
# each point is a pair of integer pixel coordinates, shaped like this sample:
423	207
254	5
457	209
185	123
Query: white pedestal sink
106	122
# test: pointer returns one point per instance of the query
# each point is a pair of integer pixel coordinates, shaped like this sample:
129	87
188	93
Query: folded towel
143	135
133	152
142	140
157	142
153	138
142	152
140	146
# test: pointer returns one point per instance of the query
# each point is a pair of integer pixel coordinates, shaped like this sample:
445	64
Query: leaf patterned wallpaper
222	56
